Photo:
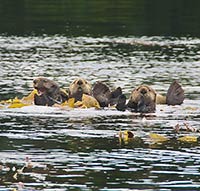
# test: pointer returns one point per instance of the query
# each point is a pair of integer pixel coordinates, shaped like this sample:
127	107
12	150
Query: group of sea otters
143	99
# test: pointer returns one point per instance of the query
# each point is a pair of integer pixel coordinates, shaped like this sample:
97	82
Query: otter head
142	99
79	87
49	92
45	86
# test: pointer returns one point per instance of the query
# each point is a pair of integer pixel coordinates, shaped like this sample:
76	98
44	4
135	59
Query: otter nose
143	91
80	82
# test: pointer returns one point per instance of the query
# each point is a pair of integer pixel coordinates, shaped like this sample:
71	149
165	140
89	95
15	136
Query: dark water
79	149
97	18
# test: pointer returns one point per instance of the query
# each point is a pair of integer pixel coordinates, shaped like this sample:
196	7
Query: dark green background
100	17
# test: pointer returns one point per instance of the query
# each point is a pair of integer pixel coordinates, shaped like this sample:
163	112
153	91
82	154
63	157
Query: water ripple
80	149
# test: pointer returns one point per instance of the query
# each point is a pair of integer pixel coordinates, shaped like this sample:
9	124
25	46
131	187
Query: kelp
158	138
125	136
18	103
13	103
188	139
87	102
161	138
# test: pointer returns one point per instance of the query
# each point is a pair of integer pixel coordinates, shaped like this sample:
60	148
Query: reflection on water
97	18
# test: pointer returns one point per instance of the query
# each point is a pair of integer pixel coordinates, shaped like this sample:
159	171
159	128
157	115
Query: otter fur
49	92
79	87
144	98
104	95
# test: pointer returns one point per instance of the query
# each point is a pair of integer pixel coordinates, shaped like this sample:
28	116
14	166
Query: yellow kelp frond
17	103
89	101
29	99
78	104
69	103
3	102
125	136
13	103
64	104
158	138
188	139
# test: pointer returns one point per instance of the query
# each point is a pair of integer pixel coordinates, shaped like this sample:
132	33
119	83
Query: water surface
79	149
122	43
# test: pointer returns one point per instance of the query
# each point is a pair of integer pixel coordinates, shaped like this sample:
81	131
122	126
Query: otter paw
121	104
102	94
175	94
114	97
42	100
116	93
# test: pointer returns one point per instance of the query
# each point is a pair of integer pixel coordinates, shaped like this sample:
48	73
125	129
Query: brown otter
79	87
49	92
100	92
144	99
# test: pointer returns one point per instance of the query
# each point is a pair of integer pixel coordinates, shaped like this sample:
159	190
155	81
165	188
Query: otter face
79	87
49	92
143	99
44	86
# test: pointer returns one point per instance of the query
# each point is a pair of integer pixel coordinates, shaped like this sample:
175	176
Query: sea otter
79	87
143	99
49	92
99	91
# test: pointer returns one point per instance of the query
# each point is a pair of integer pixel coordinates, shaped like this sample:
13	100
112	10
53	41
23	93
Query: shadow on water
97	18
